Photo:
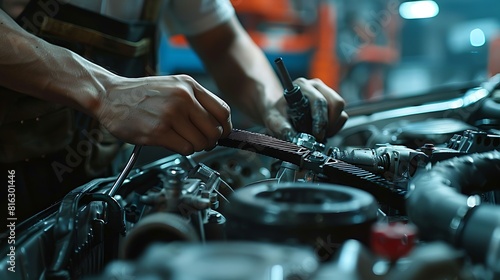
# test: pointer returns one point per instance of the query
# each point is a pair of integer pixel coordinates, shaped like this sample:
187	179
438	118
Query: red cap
393	240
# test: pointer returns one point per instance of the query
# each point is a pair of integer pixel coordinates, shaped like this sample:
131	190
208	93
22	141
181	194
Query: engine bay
406	190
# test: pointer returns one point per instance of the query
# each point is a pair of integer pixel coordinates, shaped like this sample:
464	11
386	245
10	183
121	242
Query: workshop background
366	49
421	148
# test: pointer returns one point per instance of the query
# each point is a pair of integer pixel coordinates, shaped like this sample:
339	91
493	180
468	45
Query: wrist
90	93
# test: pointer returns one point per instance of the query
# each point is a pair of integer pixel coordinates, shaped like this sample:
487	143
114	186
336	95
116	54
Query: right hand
170	111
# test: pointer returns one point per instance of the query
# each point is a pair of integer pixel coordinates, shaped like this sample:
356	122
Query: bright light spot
475	96
277	272
477	37
473	200
380	268
457	104
418	9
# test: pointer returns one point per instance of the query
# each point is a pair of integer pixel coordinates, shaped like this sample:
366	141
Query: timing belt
265	145
384	191
335	171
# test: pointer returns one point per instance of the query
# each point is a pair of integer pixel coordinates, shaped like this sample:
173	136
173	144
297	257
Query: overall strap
123	47
150	10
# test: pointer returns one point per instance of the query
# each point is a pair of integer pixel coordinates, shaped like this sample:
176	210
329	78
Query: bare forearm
243	74
32	66
171	111
251	83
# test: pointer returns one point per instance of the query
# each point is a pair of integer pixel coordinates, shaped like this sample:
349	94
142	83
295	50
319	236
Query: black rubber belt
336	171
265	145
386	192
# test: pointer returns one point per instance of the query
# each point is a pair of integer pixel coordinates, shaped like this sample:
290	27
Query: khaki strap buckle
71	32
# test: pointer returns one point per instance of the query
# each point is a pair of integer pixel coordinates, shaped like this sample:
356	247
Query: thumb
279	126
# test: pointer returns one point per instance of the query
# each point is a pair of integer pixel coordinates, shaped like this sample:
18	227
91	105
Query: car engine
408	189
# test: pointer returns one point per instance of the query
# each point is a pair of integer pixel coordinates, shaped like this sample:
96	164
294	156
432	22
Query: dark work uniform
51	148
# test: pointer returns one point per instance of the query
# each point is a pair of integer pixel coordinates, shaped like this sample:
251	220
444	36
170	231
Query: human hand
327	111
170	111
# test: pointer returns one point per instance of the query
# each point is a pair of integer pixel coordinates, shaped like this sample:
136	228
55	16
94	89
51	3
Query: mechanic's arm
172	111
245	76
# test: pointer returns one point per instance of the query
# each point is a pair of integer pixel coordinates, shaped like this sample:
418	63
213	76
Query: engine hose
438	203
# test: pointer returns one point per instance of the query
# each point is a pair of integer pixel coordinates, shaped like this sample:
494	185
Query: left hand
327	111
